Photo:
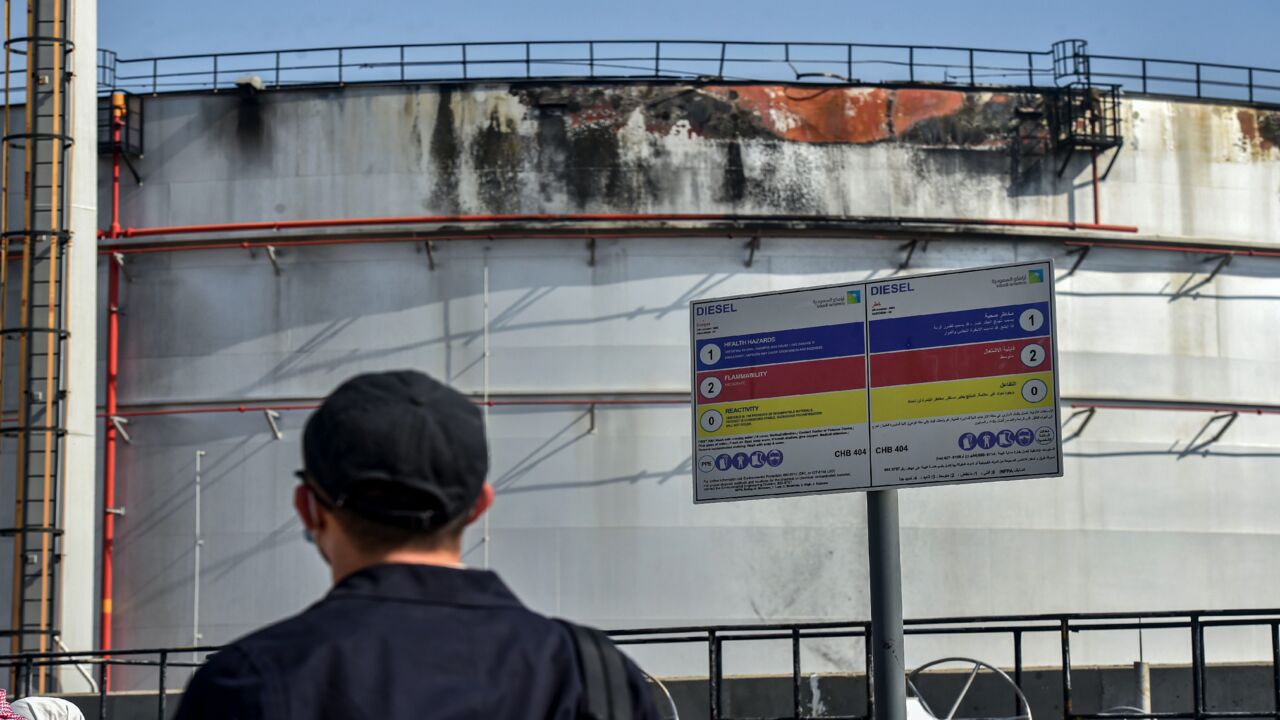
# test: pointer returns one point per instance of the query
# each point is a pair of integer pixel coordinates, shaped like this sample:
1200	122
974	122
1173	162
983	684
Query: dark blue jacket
395	642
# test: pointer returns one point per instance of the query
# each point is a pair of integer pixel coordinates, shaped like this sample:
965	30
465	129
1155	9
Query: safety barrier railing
680	61
688	60
719	639
588	59
1181	78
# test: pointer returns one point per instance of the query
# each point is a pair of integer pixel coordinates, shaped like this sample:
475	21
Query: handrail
717	638
657	59
649	41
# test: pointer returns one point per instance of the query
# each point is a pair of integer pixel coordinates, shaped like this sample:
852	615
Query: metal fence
590	59
1180	78
718	641
682	60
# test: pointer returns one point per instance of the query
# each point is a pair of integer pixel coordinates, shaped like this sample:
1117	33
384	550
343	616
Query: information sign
930	379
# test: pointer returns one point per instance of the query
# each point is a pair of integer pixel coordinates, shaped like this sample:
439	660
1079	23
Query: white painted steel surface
598	526
81	492
1187	170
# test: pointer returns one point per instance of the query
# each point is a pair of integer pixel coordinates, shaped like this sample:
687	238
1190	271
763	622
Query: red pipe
112	393
1206	250
1181	408
276	225
313	406
138	249
141	249
585	401
649	401
201	410
115	178
1057	224
109	452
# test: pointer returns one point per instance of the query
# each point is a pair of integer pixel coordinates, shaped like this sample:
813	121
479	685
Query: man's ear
482	503
305	505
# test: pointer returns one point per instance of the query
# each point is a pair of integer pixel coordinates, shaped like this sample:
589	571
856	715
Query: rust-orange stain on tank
816	115
914	106
1260	128
820	115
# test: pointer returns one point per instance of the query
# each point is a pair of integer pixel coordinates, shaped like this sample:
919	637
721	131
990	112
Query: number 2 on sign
1032	355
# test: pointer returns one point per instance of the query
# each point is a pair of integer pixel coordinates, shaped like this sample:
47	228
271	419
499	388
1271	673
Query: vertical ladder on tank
1085	115
38	327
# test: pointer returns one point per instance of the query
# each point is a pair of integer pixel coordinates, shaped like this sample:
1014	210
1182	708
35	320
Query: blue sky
1228	31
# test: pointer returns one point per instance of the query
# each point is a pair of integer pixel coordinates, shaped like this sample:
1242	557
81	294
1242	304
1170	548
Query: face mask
306	533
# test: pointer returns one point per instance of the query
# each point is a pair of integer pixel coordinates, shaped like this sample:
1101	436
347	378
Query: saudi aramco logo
1035	276
853	297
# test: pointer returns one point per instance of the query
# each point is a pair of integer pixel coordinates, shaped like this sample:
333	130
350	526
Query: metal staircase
1083	115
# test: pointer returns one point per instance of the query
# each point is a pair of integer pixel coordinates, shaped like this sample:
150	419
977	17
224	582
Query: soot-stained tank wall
595	521
1187	169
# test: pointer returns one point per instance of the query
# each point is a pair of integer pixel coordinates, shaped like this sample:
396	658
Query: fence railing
1188	79
589	59
681	60
719	639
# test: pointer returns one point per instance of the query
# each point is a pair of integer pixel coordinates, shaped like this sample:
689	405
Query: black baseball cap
397	448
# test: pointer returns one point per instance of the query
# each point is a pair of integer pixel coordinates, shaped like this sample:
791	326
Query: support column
82	512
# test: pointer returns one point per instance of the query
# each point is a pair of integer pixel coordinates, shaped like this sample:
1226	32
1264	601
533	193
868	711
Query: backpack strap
606	694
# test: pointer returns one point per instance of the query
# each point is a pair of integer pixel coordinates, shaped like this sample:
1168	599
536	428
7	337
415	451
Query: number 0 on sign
925	380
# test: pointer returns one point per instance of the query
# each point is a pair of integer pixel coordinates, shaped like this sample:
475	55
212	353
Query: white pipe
78	610
484	540
195	599
93	684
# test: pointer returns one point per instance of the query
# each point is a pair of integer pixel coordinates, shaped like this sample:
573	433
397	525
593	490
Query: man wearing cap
395	467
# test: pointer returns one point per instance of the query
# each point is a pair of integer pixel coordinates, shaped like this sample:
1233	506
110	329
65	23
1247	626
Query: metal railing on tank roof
588	59
822	63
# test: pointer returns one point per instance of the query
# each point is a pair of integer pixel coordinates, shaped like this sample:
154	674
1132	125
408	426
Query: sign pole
888	669
938	379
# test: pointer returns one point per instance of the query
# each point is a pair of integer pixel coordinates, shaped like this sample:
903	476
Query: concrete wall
598	525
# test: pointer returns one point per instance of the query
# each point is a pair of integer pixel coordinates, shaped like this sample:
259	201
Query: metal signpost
934	379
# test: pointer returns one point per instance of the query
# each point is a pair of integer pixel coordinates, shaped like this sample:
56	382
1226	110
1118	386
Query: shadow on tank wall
330	308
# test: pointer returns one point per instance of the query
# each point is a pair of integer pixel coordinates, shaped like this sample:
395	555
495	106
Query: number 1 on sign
710	354
1031	319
